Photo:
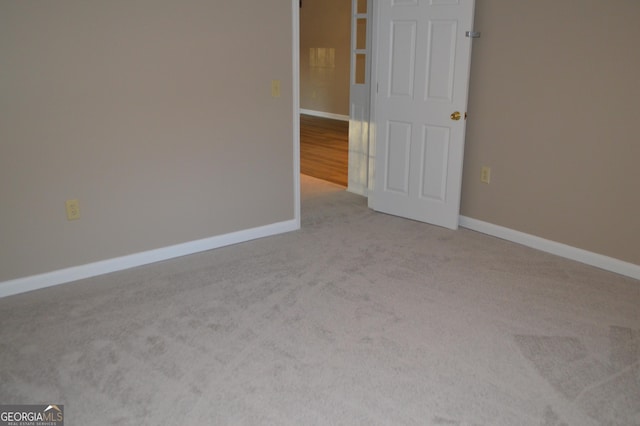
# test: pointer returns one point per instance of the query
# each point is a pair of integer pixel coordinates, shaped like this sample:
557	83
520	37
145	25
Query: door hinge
472	34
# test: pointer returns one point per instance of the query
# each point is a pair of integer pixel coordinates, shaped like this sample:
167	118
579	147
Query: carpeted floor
359	318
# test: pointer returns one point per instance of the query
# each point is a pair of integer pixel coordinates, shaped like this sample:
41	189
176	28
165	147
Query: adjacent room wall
325	24
553	110
156	115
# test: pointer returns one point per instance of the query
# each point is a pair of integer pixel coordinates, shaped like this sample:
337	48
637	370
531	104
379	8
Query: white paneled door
422	71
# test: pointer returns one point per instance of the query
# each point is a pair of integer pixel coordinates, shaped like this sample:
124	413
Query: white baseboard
324	114
559	249
49	279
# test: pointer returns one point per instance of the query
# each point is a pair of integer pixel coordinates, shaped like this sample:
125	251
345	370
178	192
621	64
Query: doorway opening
334	91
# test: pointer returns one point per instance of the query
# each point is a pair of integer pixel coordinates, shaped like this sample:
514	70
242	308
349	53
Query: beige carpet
358	319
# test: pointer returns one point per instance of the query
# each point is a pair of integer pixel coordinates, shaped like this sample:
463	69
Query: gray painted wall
553	108
156	114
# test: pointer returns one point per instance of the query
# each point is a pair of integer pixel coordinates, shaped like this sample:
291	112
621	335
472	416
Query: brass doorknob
456	115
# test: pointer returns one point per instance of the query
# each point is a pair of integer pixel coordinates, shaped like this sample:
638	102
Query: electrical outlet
73	209
275	88
485	174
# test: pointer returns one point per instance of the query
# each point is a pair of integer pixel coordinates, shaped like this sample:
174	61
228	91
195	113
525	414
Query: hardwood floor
324	148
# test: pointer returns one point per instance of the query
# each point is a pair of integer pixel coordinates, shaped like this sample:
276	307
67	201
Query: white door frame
295	90
374	90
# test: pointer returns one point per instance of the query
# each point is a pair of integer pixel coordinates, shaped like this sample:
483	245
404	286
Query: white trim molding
62	276
295	53
593	259
324	114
